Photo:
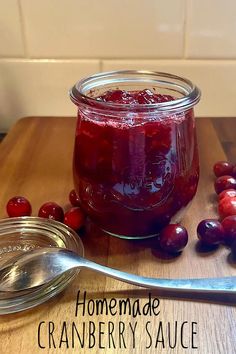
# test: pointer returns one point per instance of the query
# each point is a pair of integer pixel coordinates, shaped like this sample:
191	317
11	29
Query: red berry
74	218
224	182
74	198
210	232
223	168
51	210
227	207
229	225
18	206
228	193
173	238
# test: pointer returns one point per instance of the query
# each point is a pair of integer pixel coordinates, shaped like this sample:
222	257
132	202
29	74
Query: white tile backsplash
39	87
11	38
216	79
211	29
104	29
45	46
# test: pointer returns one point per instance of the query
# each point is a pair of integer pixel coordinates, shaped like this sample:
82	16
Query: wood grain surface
35	161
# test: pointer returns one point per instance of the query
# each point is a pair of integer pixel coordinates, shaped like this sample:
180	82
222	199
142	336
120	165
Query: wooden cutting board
35	161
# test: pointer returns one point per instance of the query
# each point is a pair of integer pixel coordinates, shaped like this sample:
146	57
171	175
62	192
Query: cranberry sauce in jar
135	156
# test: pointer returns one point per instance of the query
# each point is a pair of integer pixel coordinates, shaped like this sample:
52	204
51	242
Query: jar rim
191	92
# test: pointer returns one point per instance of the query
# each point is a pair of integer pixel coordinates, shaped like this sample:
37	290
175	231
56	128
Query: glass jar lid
22	234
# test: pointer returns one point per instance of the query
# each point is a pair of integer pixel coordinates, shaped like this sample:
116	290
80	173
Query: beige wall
46	45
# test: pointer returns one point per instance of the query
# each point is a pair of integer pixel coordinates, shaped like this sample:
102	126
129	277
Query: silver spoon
42	265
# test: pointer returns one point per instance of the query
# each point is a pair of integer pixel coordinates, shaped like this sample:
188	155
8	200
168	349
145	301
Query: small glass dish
22	234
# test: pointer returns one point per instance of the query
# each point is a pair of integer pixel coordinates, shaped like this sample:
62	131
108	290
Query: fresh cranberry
234	172
228	193
227	207
224	182
18	206
223	168
51	210
74	198
173	238
210	232
74	218
229	225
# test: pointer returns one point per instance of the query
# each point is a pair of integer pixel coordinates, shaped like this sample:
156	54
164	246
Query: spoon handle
201	285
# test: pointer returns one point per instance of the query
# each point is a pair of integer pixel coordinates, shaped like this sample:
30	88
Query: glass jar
136	166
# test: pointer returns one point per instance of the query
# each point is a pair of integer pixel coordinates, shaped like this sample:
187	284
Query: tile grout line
23	31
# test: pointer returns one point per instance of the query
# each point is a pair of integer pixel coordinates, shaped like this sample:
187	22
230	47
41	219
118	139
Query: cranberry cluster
173	237
223	231
211	232
74	217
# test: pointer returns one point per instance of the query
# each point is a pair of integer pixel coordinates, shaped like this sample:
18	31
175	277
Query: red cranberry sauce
134	177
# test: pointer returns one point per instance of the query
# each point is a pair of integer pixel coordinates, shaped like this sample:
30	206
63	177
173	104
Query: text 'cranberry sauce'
135	168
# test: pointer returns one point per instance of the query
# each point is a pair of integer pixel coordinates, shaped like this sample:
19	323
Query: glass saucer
22	234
